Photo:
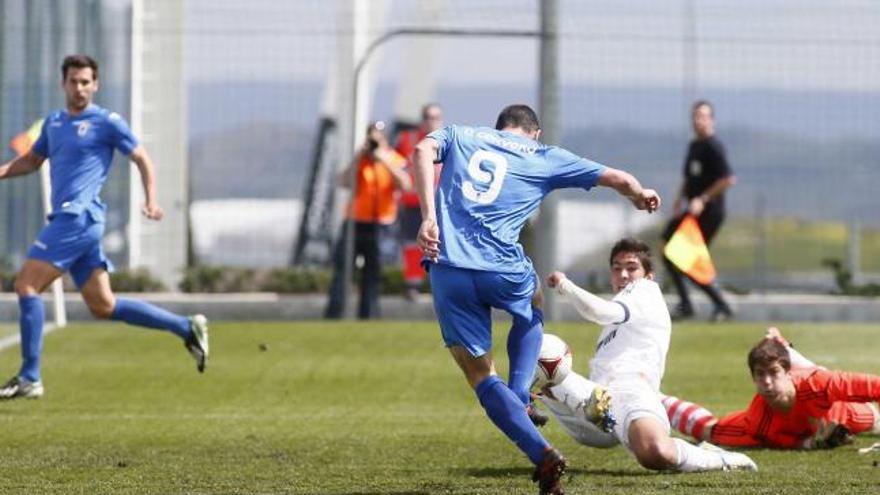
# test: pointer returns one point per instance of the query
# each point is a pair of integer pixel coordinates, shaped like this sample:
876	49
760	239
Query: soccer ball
554	362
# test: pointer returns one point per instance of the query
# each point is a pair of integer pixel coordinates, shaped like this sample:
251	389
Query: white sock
567	405
693	459
574	391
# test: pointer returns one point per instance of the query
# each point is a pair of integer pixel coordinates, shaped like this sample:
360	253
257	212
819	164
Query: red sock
687	417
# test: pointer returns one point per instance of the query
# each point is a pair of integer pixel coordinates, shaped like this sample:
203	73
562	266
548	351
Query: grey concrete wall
265	306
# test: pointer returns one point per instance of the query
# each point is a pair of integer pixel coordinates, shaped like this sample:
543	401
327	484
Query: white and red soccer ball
554	362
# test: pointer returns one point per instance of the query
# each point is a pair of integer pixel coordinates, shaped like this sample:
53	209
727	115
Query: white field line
13	340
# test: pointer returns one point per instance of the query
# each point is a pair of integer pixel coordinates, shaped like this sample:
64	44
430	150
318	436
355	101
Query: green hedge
291	280
219	279
139	280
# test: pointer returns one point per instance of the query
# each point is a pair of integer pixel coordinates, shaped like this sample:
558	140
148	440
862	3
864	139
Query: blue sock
144	314
523	348
31	320
509	415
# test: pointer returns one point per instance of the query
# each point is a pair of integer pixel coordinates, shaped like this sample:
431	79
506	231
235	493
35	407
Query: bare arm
22	165
387	158
142	160
698	204
591	307
629	187
423	161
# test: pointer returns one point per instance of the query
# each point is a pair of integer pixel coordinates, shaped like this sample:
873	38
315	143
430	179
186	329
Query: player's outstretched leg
104	305
193	330
708	457
654	449
506	411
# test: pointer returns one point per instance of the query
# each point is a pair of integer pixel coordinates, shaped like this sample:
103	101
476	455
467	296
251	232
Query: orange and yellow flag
687	250
22	143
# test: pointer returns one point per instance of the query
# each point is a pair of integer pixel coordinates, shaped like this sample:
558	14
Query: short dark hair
79	62
427	108
769	351
518	116
636	247
703	103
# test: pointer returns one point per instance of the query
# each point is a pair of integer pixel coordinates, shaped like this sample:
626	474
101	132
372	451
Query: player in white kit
626	371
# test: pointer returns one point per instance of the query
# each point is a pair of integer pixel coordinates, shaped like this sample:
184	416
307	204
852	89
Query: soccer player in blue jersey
491	182
79	141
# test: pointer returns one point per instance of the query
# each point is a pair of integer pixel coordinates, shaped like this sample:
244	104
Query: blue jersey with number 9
491	182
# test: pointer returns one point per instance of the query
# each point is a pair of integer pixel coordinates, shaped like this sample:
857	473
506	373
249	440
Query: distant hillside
260	160
816	114
803	154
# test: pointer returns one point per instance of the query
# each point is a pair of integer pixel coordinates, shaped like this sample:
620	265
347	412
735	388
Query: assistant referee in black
707	175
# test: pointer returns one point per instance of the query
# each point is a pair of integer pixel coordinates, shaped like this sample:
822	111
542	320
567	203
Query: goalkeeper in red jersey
798	404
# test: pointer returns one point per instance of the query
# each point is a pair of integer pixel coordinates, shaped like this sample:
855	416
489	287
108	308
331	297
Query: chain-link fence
795	84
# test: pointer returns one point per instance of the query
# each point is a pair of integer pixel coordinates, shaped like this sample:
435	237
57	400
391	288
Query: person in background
379	176
707	176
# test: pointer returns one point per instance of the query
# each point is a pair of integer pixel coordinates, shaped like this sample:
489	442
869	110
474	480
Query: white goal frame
60	310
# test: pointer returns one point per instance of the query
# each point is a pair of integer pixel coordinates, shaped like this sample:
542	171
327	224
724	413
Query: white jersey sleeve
591	307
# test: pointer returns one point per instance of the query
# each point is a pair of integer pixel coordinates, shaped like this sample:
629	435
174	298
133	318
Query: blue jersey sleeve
570	170
121	136
444	139
41	145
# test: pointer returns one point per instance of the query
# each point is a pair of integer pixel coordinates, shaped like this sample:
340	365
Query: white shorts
633	398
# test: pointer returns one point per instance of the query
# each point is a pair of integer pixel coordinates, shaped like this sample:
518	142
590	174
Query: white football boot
197	343
19	388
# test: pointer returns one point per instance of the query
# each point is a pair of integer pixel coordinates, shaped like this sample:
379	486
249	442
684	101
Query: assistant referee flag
22	143
687	250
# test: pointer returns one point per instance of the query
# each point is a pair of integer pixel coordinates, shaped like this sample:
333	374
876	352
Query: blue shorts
72	243
463	301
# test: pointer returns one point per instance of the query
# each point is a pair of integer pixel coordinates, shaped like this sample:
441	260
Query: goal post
57	292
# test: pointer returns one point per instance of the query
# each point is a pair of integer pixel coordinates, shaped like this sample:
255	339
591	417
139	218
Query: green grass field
345	408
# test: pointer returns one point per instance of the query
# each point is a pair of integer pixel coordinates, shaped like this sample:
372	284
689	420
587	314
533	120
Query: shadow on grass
571	471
